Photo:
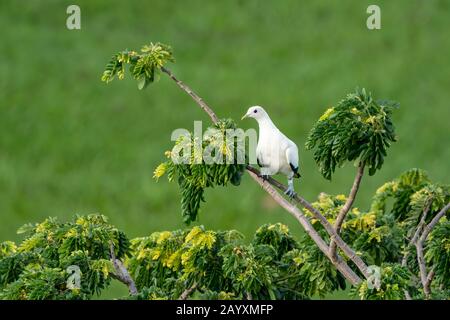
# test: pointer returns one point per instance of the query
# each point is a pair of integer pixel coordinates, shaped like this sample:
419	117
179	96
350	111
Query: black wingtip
295	169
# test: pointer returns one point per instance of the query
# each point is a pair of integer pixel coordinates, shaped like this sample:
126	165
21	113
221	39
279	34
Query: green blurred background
69	144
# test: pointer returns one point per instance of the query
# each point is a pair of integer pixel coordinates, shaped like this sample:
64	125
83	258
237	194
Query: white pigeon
275	152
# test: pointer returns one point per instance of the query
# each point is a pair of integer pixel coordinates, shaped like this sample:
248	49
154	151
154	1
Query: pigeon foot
290	193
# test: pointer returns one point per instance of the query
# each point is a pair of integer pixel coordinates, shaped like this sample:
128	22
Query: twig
193	95
430	277
416	233
424	277
346	207
254	173
186	293
122	273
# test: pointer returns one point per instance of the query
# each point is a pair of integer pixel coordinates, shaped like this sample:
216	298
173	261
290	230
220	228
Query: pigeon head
255	112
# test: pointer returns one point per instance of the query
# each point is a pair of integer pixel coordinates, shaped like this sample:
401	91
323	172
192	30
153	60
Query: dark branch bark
122	273
346	207
340	264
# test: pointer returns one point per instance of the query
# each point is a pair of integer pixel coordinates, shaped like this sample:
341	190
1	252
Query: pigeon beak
245	116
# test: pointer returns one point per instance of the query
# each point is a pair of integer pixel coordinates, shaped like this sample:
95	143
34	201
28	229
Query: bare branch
186	293
427	229
346	207
193	95
424	277
122	273
416	233
407	295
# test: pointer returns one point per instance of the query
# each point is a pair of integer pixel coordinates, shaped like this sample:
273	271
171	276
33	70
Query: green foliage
273	266
143	66
438	254
382	234
37	267
382	242
357	129
401	190
394	281
310	271
194	175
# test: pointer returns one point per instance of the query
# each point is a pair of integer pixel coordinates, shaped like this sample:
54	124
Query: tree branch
422	268
346	207
349	252
430	277
193	95
424	277
427	229
416	233
186	293
340	264
122	273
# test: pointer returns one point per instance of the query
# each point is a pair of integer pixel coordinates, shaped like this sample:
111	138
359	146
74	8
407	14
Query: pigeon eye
255	111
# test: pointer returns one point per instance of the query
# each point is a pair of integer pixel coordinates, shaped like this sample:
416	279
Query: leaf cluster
357	129
194	175
143	66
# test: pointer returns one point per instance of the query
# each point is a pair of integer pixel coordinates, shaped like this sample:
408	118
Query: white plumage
275	152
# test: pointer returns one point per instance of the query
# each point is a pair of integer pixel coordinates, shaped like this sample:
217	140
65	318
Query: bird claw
265	177
290	193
